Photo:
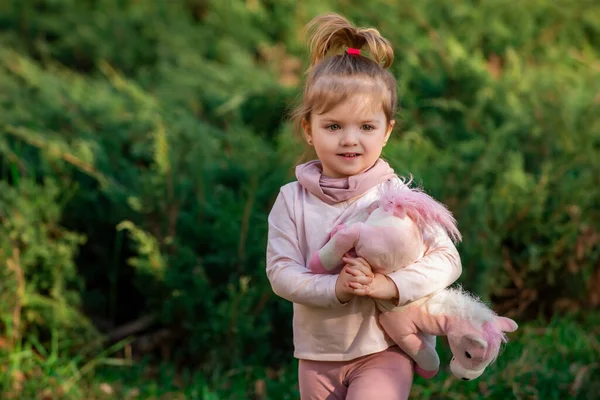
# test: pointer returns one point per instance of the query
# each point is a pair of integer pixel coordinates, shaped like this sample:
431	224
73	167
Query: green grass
560	360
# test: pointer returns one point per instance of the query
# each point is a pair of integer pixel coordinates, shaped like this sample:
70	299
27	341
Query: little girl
346	115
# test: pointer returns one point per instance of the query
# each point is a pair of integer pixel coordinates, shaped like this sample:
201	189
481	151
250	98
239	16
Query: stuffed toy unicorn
473	330
392	238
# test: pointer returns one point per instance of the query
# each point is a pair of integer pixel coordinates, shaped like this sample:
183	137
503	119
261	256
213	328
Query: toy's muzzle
462	373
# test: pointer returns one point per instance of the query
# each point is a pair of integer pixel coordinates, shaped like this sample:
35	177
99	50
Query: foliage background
143	143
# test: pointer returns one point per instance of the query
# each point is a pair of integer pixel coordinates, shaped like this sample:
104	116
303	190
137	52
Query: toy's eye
467	354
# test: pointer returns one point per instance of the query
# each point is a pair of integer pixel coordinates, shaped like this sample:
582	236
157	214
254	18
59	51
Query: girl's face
348	139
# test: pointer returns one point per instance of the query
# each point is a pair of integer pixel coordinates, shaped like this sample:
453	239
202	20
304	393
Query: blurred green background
142	144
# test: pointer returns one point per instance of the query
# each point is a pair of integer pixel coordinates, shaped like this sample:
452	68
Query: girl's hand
355	275
380	286
361	274
357	266
343	289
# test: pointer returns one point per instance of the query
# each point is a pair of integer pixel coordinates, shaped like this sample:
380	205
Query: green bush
40	289
145	143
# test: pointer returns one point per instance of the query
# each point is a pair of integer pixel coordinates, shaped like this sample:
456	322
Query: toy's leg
402	330
429	341
330	255
336	229
426	359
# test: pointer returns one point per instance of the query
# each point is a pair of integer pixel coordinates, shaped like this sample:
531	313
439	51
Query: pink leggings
386	375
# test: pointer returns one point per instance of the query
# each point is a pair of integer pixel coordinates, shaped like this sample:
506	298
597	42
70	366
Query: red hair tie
353	52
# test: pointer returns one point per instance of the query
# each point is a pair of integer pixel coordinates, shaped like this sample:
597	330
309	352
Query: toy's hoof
424	373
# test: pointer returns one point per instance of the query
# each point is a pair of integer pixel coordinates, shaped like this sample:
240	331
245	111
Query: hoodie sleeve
439	267
286	268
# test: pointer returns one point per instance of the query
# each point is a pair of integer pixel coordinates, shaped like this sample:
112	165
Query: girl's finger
353	271
365	280
360	265
352	261
356	271
355	285
361	292
362	261
362	282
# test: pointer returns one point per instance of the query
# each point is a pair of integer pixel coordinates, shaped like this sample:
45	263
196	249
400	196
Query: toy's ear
506	324
400	211
477	341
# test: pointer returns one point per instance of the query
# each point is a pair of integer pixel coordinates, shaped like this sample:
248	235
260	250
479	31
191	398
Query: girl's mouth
349	155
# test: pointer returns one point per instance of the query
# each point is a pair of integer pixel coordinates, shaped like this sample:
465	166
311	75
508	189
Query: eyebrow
330	120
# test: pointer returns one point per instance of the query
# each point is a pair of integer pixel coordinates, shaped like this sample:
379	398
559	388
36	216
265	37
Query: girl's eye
333	127
368	127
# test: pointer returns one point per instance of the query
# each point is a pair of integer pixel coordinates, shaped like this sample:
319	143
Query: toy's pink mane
493	336
401	200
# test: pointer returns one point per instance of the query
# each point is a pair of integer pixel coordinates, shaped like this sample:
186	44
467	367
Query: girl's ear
389	130
307	131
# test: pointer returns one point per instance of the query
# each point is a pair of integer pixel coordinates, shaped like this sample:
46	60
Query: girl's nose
350	138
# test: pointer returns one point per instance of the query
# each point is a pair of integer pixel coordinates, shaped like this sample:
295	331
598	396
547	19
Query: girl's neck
335	190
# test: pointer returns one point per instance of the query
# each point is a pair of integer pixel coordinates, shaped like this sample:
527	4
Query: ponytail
332	33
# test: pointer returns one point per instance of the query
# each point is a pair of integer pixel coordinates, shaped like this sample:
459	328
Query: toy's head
388	242
393	234
474	349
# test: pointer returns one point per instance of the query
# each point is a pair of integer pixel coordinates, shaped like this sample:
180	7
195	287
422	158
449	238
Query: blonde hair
334	75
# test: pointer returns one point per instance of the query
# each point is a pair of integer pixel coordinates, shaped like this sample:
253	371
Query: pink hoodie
299	225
